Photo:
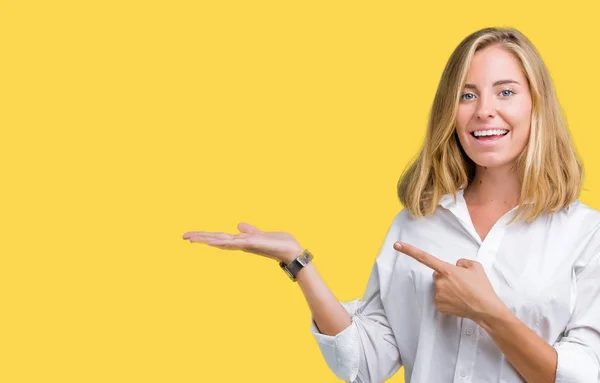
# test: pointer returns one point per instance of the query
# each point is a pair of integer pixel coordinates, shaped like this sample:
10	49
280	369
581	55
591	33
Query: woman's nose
486	107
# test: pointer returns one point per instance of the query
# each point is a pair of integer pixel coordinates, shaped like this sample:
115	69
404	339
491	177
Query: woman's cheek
520	110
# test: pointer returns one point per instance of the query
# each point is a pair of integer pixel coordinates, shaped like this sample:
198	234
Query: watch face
306	259
296	265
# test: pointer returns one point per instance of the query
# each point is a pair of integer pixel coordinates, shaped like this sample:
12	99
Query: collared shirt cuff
341	351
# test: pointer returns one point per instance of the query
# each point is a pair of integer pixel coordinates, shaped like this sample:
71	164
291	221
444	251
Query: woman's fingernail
398	245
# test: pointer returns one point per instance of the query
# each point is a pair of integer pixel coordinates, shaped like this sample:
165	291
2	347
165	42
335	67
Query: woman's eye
467	96
507	92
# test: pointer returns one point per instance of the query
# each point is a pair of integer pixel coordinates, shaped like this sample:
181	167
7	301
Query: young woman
492	270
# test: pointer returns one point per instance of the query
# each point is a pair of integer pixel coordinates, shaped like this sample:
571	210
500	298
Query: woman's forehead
494	65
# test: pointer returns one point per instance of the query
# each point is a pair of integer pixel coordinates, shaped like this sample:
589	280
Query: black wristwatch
297	264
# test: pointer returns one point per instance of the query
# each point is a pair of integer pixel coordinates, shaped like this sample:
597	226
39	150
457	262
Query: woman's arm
366	351
359	346
328	313
531	356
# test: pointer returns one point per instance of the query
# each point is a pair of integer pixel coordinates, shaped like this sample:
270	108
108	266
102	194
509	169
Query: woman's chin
491	162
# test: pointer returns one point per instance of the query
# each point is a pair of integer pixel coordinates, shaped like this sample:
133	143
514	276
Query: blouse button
470	331
463	373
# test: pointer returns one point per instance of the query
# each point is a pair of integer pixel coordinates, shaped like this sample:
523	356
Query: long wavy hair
549	169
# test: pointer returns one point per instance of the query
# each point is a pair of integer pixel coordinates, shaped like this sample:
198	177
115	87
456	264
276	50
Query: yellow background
127	123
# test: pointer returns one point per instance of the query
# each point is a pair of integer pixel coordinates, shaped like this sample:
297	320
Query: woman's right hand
276	245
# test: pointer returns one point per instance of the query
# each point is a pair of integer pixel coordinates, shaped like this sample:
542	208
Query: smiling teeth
493	132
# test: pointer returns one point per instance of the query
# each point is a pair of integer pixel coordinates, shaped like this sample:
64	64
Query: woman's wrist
289	257
495	317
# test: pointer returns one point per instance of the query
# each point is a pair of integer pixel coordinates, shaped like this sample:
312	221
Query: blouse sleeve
365	351
579	349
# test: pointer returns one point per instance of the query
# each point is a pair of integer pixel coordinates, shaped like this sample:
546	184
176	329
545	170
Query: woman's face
494	111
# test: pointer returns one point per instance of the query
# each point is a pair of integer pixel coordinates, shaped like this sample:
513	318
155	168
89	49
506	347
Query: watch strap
297	264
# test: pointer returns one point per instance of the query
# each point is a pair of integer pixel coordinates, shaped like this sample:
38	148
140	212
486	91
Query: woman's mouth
489	135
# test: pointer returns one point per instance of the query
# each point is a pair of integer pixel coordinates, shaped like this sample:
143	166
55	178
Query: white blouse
547	272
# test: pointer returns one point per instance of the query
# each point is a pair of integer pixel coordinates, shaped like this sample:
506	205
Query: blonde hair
549	169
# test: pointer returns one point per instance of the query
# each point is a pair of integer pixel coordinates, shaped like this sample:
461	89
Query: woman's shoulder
583	215
579	229
401	217
404	221
387	254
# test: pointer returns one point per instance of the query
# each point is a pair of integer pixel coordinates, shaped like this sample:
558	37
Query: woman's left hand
463	289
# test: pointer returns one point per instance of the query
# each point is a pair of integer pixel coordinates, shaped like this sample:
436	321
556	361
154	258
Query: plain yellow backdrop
127	123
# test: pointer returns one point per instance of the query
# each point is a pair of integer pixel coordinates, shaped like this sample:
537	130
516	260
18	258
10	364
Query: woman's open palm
276	245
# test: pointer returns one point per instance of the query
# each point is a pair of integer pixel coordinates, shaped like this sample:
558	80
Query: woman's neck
494	186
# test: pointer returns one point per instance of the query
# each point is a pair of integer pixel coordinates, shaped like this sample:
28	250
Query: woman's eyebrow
499	82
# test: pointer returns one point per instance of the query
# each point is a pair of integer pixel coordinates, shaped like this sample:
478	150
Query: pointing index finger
423	257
